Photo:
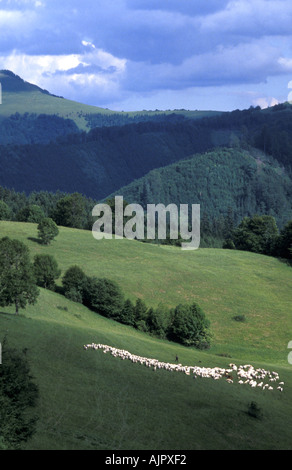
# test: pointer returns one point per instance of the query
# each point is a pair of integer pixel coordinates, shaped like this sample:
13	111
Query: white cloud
72	75
265	102
11	19
251	17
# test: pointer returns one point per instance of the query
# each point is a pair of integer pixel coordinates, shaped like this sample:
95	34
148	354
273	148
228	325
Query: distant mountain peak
14	84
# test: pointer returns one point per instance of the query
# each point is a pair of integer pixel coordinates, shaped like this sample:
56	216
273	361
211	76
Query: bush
239	318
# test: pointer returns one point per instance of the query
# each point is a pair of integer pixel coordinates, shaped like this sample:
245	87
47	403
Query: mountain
23	103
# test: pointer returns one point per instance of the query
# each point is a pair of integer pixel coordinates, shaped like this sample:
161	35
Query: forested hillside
223	181
101	161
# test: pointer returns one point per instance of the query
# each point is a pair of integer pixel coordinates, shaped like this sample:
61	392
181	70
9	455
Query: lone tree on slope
17	281
47	230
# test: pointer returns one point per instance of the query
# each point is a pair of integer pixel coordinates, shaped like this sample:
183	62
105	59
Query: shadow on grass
285	261
9	314
35	240
59	290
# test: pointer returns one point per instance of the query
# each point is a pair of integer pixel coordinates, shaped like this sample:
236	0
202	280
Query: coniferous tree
4	211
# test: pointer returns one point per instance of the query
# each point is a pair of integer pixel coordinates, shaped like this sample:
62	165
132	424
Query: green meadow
91	400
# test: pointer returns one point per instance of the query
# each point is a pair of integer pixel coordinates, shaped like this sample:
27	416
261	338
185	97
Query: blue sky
152	54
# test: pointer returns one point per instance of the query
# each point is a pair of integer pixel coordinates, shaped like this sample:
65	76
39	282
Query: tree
190	326
228	244
31	213
4	211
18	397
104	297
127	314
71	211
47	230
74	282
140	314
17	281
46	271
257	234
284	243
157	321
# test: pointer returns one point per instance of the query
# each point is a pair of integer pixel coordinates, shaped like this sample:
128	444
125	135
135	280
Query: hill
91	400
222	181
24	103
225	283
22	97
101	161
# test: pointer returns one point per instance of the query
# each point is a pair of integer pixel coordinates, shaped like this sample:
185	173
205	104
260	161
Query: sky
152	54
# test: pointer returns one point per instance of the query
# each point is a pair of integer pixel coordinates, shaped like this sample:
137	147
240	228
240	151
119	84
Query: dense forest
104	159
221	181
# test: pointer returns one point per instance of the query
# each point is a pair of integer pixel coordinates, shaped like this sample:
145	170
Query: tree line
260	234
75	210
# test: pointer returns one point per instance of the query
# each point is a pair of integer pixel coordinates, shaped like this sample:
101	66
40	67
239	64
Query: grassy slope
40	103
92	400
22	97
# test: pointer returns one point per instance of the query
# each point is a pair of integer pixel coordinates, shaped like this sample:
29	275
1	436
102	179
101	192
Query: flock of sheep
246	374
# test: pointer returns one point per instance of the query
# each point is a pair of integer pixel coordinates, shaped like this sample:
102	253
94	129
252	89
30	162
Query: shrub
239	318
